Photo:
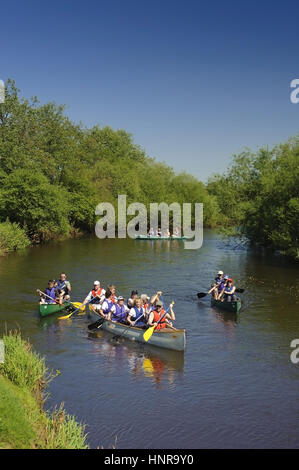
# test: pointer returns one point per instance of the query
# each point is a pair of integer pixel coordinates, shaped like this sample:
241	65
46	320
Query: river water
234	387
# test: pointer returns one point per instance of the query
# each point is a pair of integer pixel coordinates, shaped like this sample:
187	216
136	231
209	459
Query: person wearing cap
134	295
50	292
96	295
216	284
119	311
158	318
228	292
137	314
221	286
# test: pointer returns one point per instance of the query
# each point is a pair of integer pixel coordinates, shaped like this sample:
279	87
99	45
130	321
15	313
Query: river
234	387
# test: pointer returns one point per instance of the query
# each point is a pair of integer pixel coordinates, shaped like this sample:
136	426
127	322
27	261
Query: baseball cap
159	304
96	283
120	298
220	272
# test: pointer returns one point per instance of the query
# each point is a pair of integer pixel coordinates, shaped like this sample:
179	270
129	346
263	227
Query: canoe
147	237
49	309
166	338
233	307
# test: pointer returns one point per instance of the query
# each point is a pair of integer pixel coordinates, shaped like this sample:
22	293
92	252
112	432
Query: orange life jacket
157	317
98	292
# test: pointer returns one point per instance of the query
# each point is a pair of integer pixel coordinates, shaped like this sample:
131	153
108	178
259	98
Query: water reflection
162	366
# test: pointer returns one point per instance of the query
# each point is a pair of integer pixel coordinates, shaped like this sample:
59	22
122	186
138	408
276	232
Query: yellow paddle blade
78	304
148	333
65	316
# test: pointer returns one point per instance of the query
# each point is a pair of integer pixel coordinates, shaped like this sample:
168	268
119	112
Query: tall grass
23	422
23	366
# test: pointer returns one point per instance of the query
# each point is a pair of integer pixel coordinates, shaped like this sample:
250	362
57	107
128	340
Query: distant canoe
49	309
147	237
233	307
166	338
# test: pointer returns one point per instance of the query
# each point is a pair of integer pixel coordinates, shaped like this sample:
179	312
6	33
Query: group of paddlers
140	311
165	234
57	291
223	288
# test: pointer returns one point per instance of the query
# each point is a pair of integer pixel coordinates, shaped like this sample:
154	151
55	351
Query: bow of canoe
233	307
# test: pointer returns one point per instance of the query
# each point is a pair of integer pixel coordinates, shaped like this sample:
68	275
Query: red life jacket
113	298
157	317
98	292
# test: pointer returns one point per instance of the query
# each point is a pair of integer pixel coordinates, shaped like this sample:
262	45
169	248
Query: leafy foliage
53	173
259	195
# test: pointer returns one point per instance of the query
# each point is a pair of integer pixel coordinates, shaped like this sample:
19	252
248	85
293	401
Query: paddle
41	292
126	329
203	294
150	330
97	324
74	311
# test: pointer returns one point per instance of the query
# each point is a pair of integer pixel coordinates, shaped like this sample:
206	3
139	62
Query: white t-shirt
105	306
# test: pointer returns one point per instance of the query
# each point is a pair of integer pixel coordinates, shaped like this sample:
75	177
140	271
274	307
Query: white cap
220	272
96	283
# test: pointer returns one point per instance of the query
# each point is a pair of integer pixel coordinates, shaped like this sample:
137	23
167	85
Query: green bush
12	237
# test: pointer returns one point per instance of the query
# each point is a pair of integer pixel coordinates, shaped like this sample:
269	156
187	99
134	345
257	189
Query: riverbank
24	424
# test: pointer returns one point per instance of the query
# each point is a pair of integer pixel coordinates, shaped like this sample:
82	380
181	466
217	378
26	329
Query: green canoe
233	307
49	309
147	237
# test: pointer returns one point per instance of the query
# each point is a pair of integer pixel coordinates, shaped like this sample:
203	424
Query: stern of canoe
49	309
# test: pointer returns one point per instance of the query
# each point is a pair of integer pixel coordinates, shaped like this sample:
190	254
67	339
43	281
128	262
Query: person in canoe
145	299
112	289
119	311
154	299
137	314
159	314
50	292
63	288
216	285
131	300
151	233
228	291
97	294
176	232
106	305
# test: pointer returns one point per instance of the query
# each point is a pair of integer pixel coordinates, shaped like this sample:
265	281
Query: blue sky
194	82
